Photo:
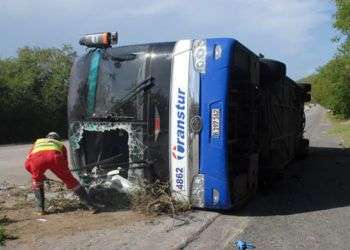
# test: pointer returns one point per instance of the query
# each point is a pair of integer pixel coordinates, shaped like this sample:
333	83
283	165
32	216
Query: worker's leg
35	166
61	170
39	194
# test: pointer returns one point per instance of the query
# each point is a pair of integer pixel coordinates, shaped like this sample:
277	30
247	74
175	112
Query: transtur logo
175	152
178	150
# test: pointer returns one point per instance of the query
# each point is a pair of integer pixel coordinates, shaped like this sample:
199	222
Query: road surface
308	209
12	159
11	163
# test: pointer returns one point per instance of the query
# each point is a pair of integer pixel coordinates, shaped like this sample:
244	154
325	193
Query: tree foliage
331	84
33	89
342	16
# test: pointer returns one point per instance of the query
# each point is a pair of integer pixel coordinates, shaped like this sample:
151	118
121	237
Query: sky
296	32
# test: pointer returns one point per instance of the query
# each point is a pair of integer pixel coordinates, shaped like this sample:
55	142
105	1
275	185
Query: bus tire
271	70
305	86
307	97
302	149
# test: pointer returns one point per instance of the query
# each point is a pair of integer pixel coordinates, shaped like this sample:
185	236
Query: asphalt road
12	163
307	209
12	159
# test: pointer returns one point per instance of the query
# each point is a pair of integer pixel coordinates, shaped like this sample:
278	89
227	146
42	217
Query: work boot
39	195
85	199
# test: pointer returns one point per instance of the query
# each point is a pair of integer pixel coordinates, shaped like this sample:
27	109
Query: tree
34	92
342	17
331	84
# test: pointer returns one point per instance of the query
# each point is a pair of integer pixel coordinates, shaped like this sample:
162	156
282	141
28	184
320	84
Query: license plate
215	122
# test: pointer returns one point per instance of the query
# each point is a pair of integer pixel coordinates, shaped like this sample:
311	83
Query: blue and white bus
204	115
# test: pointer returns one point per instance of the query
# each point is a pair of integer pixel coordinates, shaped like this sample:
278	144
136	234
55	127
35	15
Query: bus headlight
217	52
216	196
199	52
197	192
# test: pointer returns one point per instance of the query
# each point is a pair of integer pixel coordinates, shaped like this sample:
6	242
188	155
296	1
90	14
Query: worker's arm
31	149
65	152
65	156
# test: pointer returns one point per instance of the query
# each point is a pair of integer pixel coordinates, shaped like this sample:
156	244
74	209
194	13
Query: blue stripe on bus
213	149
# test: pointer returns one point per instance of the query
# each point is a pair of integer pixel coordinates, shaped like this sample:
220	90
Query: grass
341	128
2	235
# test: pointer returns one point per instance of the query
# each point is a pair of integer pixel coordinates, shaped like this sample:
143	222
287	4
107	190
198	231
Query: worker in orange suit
50	153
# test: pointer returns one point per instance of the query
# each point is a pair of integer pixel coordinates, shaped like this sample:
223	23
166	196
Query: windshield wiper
120	58
113	116
123	58
144	85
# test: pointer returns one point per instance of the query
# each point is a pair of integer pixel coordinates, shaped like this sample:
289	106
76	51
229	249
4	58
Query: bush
33	89
331	86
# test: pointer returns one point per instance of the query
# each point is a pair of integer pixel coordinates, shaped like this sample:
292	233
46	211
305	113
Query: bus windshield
118	74
117	78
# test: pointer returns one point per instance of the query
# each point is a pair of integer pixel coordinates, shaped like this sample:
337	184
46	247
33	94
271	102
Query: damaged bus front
119	114
130	109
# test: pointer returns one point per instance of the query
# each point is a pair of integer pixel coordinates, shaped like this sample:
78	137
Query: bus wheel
271	70
302	149
305	86
307	97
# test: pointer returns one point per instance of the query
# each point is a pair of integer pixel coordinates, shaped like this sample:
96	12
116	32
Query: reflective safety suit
49	154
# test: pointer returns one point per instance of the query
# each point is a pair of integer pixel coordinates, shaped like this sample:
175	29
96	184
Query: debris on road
4	186
41	220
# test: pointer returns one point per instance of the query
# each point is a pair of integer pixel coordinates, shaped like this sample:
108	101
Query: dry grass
13	197
63	202
16	198
156	199
147	198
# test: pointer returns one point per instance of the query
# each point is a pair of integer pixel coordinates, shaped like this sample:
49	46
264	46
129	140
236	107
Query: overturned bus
207	116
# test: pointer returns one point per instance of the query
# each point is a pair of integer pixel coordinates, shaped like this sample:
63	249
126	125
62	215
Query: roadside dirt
65	218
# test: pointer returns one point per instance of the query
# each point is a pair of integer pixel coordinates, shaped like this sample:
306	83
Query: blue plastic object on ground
242	245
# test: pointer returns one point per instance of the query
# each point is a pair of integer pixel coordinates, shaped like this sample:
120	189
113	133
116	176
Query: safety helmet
53	135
